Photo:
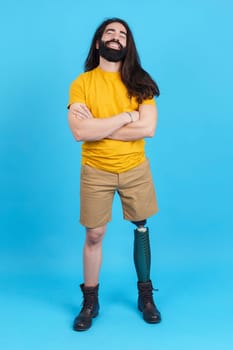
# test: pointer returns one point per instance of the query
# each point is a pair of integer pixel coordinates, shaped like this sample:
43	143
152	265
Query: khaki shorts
135	188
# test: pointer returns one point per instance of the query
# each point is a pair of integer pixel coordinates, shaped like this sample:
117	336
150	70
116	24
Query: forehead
116	26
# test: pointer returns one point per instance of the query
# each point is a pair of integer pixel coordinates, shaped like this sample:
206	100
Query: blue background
187	46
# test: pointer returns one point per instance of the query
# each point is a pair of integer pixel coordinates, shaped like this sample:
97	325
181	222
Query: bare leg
92	255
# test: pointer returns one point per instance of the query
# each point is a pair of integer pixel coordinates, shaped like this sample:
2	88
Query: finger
88	112
82	107
85	109
83	115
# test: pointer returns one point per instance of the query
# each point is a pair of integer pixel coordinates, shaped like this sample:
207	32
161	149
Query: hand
81	111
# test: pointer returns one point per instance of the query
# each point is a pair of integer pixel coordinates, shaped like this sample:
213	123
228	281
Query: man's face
113	44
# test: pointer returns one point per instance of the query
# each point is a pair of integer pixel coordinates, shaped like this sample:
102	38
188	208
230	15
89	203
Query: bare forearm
134	131
95	129
144	127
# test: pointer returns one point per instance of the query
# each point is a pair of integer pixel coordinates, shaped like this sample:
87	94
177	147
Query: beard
110	54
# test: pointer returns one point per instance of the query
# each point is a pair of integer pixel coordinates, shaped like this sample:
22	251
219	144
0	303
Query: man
112	110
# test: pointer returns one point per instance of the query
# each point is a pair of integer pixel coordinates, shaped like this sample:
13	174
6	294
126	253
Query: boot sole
151	322
80	329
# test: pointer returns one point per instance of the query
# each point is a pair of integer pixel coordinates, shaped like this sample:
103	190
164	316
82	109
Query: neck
109	66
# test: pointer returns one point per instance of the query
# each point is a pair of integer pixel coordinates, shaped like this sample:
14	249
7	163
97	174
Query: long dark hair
137	81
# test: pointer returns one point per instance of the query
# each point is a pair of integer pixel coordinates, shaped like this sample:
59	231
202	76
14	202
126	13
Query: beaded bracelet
131	117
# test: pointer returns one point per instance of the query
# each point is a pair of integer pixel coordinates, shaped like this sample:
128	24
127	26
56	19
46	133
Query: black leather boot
146	303
89	310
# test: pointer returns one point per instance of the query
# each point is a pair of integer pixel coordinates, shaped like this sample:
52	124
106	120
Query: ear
97	44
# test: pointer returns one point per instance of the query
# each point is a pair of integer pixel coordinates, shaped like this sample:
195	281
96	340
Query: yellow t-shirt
105	95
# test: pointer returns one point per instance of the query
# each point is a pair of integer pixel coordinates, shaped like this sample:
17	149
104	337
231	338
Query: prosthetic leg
142	262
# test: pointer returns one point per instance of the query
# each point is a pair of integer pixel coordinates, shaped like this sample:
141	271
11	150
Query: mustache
113	41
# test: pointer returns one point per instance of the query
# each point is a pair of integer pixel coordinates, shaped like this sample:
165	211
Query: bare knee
94	236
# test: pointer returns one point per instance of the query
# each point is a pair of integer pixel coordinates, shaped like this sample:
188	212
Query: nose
116	36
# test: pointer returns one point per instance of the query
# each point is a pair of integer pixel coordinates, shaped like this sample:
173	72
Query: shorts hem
139	218
94	226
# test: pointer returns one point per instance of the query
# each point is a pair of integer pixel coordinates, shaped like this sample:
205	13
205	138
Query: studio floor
194	297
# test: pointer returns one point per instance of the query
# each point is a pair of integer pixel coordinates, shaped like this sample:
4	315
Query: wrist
130	116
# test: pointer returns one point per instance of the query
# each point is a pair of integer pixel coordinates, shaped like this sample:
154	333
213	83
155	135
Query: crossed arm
119	127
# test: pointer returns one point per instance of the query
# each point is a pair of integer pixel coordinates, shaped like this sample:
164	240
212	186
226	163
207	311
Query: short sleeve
149	101
77	91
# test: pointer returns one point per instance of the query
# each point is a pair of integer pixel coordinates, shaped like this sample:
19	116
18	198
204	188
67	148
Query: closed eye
111	31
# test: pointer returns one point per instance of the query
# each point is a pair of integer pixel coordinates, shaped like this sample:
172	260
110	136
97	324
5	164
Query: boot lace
147	296
88	301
